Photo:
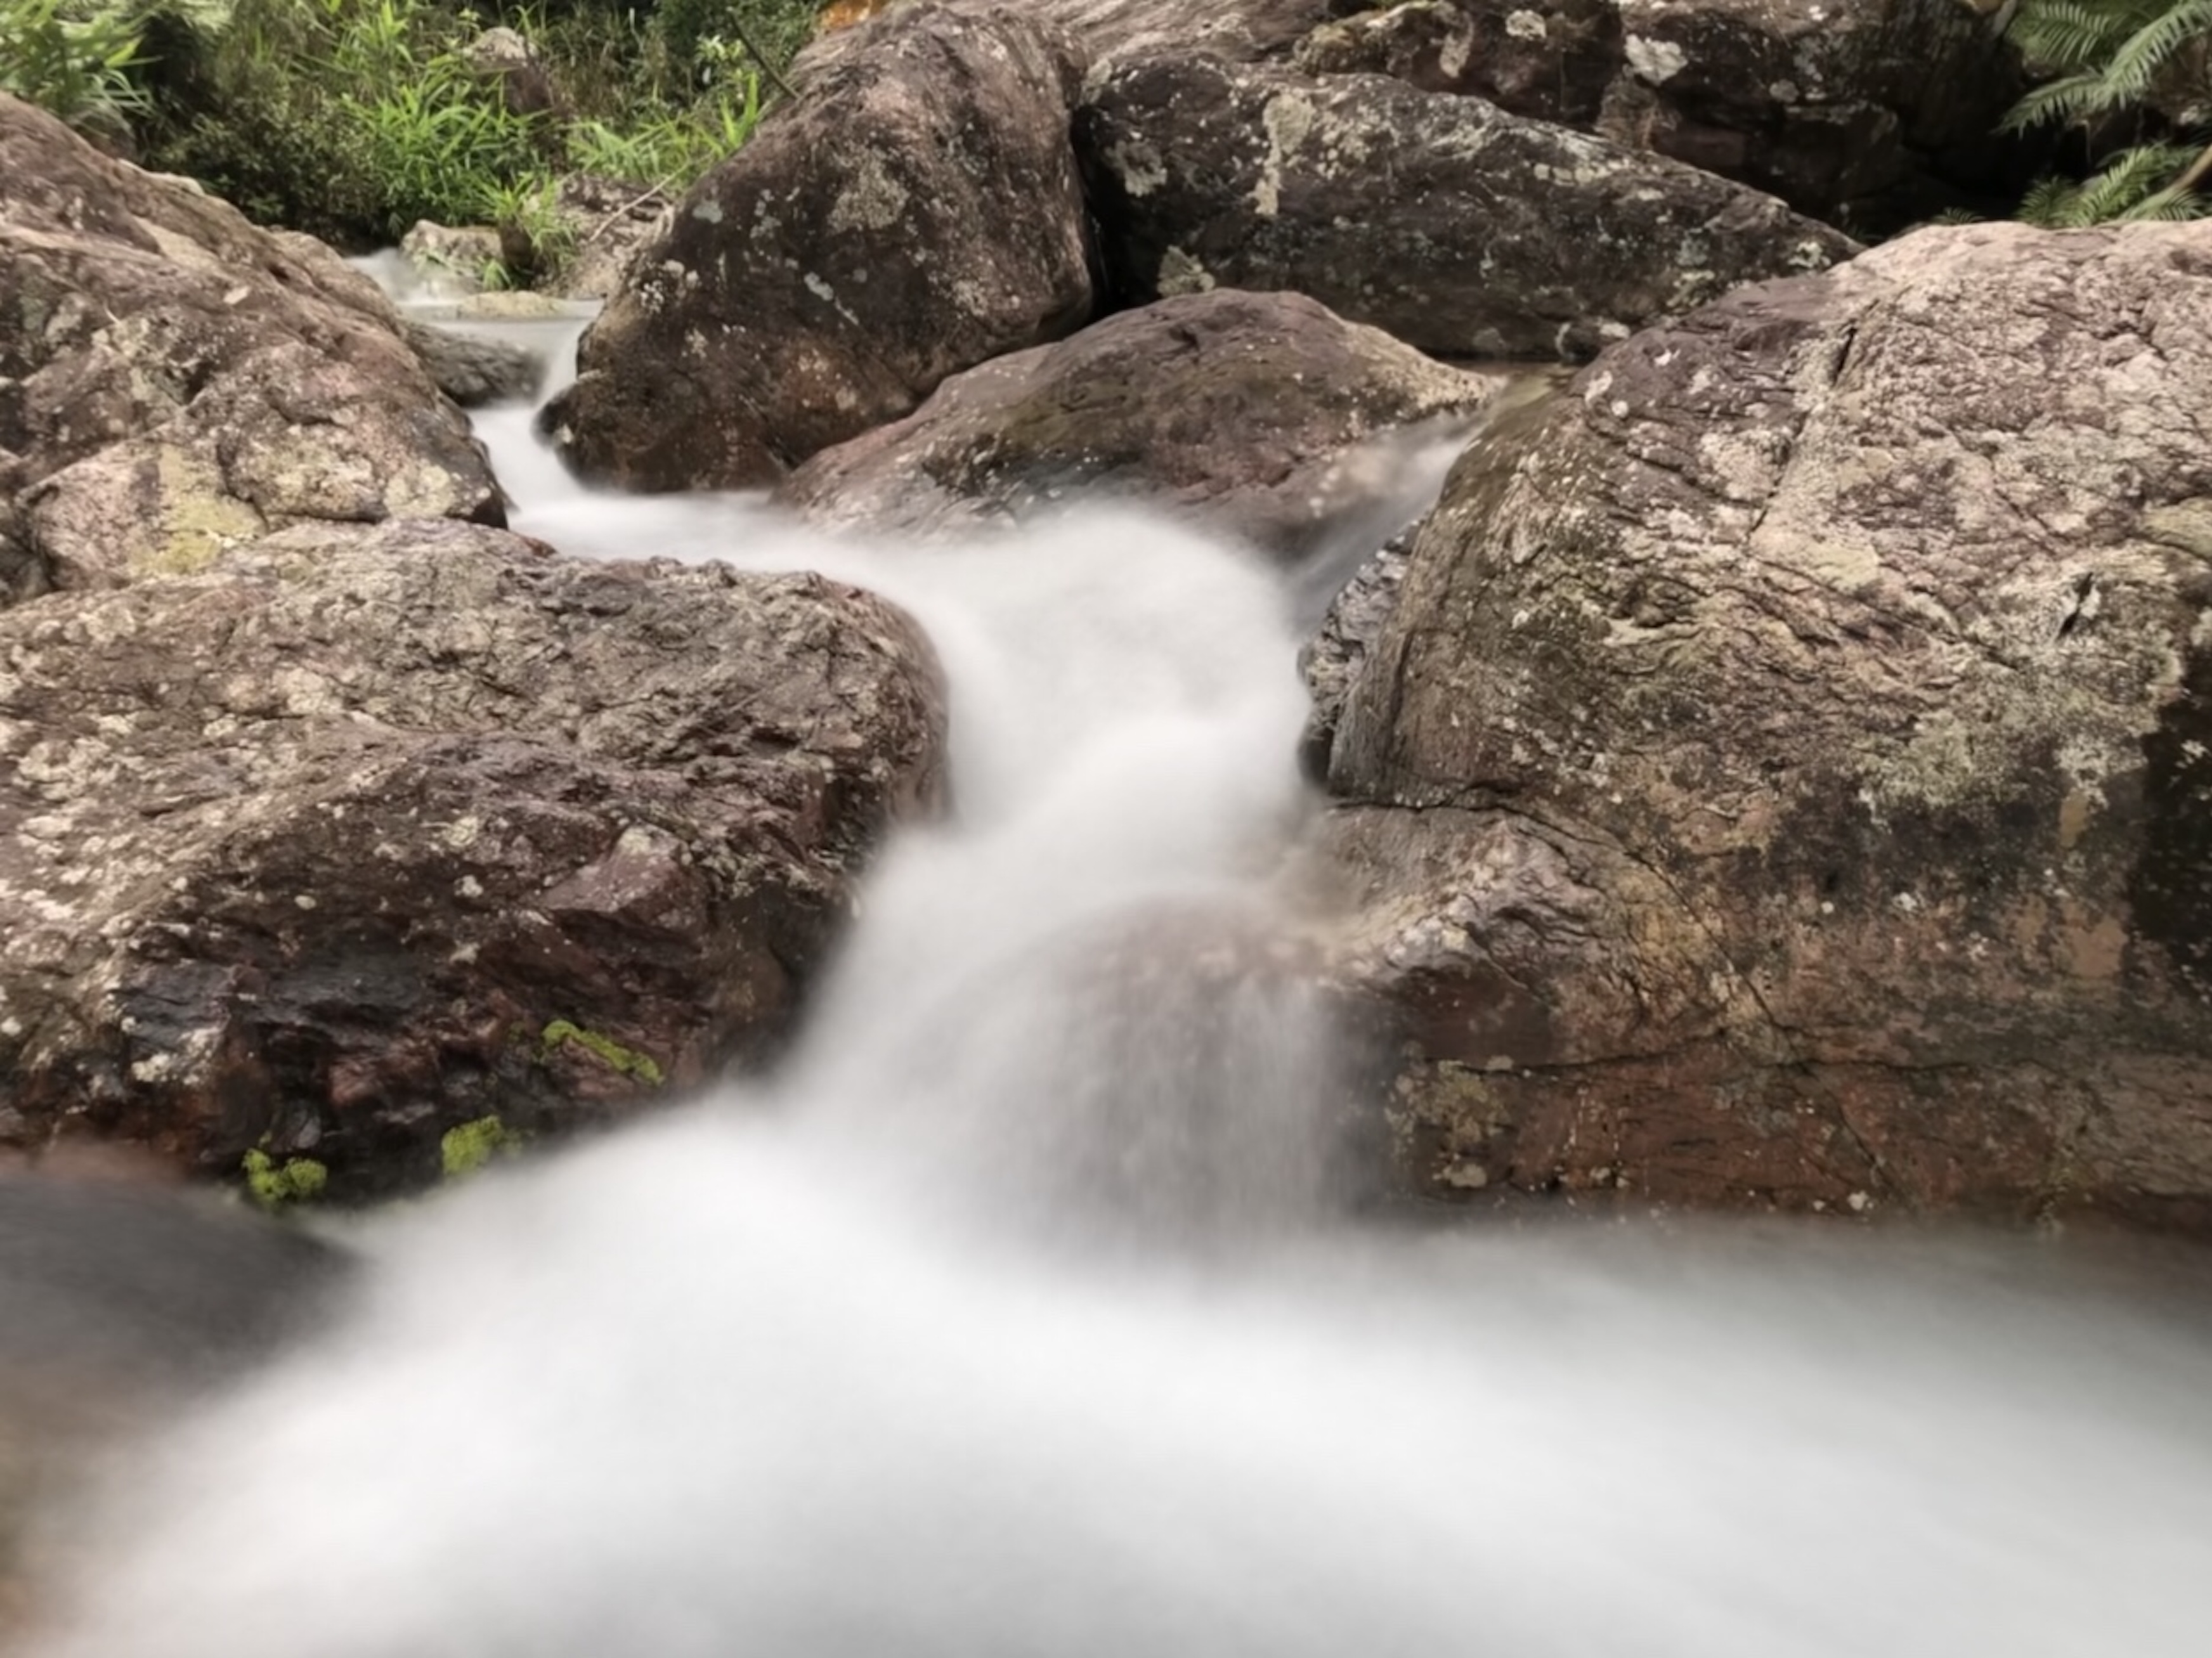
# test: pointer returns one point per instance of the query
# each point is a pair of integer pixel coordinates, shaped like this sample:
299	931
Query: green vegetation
275	1185
353	119
2132	80
464	1150
627	1060
78	67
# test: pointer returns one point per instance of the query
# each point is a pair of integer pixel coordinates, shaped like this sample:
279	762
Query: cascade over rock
1783	777
365	833
174	381
1869	114
1462	229
1237	408
915	212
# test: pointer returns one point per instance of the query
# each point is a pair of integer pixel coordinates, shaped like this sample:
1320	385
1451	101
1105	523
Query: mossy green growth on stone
275	1185
466	1149
628	1060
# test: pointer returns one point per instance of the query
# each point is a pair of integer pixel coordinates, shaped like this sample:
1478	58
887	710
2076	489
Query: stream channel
1018	1312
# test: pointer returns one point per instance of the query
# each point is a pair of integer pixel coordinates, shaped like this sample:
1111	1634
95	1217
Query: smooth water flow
1020	1314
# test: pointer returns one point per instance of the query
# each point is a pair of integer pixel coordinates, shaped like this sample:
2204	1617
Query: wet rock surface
1782	778
368	833
473	370
180	382
118	1299
1247	411
915	212
1462	229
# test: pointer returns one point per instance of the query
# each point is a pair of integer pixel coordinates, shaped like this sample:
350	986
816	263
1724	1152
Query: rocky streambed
1764	770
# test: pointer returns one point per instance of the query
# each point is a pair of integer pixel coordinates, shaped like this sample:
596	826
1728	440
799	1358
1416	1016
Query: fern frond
2167	205
2130	179
2077	35
2072	99
2048	204
2139	61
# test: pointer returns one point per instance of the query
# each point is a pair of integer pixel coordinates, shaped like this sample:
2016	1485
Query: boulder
1460	229
1250	412
1552	61
1240	30
1783	778
915	212
447	261
178	381
1867	113
605	221
1236	31
526	83
182	381
474	369
369	833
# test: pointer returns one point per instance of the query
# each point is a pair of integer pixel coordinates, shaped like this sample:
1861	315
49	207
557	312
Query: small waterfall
1016	1316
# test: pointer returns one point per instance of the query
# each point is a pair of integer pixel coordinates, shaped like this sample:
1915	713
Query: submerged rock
119	1299
368	833
1782	779
1245	410
176	381
1460	229
915	212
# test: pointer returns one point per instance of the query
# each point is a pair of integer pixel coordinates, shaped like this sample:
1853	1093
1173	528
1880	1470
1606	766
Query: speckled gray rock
1785	776
369	831
1246	412
1868	113
915	212
471	369
1458	228
1235	30
176	381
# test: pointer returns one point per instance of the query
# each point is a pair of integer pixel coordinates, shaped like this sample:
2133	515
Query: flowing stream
1020	1312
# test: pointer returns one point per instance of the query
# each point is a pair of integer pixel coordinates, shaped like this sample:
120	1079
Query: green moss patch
627	1060
276	1185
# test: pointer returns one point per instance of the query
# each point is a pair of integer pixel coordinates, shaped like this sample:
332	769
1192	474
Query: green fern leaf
2047	204
2139	61
2072	99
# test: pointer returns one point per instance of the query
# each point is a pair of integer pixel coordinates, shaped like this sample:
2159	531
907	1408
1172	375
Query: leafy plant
671	148
537	241
2141	67
76	67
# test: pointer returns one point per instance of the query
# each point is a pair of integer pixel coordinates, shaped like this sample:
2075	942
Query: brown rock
1242	409
1868	113
178	381
1459	228
914	213
1802	723
367	832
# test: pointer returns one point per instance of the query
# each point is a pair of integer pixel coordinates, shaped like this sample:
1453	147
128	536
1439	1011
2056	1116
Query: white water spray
874	1361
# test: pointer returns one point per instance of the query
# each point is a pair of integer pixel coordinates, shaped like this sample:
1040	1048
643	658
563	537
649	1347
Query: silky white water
1021	1314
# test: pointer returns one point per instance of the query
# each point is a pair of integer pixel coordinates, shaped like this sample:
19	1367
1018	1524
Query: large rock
1869	114
367	833
1460	229
1236	30
1241	409
914	213
1783	777
174	381
1240	30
